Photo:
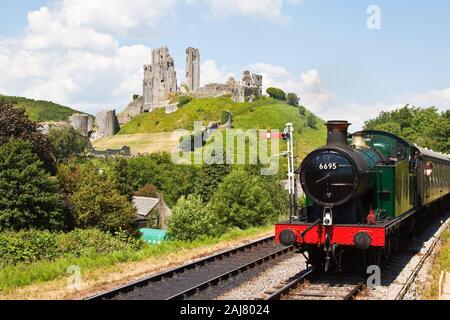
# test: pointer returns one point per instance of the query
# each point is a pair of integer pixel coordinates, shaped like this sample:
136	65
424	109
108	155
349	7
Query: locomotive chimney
337	133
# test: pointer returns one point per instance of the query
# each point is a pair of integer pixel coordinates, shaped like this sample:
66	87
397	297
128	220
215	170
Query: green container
153	236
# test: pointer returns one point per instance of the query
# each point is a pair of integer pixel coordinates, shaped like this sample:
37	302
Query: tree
172	180
14	124
96	203
191	219
29	197
209	178
302	110
276	93
149	191
67	142
244	200
293	99
423	126
311	121
121	180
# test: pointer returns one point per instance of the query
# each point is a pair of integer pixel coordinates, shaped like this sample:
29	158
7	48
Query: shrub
29	197
191	219
302	110
244	200
276	93
224	117
311	121
33	245
183	100
292	99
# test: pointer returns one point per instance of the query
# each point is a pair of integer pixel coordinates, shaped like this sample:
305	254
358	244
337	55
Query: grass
265	113
20	275
441	262
38	110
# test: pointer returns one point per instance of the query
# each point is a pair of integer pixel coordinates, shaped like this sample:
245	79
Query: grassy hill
41	110
266	113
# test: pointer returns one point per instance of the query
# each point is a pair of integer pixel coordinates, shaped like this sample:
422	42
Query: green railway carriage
365	191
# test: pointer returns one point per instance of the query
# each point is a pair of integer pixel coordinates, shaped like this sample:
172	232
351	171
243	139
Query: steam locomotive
366	193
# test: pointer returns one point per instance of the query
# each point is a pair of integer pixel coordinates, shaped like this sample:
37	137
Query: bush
33	245
224	117
183	100
191	219
276	93
244	200
302	110
29	197
311	121
67	143
292	99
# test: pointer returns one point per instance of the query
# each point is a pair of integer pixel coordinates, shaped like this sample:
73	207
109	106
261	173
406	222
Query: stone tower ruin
107	123
82	123
160	79
192	69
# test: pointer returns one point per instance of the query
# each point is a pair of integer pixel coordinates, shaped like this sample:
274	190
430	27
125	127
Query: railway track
311	284
418	267
190	279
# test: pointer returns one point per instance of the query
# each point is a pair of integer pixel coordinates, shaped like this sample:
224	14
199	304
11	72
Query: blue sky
90	57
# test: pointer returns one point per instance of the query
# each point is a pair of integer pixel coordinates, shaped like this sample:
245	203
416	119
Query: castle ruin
160	84
160	79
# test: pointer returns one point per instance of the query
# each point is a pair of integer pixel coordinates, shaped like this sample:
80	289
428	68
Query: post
289	131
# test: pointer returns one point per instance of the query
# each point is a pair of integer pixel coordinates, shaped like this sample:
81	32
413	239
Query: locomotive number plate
328	166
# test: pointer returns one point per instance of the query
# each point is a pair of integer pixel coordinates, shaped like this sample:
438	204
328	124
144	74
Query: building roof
144	205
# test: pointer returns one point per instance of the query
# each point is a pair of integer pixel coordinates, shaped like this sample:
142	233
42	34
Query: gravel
402	266
268	280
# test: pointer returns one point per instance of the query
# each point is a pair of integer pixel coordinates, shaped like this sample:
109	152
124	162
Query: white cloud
308	85
70	53
357	113
436	98
268	9
211	73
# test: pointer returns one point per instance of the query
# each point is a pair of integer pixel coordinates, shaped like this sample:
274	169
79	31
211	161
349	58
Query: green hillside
41	110
266	113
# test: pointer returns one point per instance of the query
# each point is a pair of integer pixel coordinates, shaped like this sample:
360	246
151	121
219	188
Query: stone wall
133	109
213	90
